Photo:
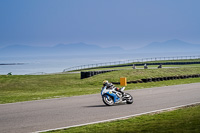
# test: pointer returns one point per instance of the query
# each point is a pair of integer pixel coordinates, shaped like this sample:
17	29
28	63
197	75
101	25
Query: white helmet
105	82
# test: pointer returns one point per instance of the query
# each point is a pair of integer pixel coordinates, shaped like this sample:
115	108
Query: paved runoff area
43	115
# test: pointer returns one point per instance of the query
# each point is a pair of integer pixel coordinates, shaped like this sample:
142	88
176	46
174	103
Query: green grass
17	88
186	120
148	73
33	87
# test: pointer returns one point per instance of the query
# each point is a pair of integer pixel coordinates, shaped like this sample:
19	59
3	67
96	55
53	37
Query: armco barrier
92	73
164	63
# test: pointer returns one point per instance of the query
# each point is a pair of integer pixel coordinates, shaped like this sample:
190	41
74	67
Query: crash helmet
105	82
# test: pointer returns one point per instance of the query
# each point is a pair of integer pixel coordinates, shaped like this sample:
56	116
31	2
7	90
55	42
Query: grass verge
185	120
17	88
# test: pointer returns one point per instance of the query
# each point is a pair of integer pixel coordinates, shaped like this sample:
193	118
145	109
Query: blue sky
125	23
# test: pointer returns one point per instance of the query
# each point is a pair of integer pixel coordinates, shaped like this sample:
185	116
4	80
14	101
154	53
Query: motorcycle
111	96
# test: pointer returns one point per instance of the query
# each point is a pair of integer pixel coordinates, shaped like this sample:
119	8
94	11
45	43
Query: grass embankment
186	120
141	67
124	66
17	88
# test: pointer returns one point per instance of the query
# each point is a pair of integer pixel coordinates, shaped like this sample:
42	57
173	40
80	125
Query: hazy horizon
129	23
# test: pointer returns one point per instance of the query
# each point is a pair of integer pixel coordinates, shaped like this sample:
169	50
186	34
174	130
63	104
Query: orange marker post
123	81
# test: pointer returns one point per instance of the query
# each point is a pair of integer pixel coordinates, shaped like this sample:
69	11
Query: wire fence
130	61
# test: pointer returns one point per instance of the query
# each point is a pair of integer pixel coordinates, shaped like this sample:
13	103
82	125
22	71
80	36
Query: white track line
125	117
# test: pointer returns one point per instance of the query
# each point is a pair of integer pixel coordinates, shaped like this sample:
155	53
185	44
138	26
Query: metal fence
130	61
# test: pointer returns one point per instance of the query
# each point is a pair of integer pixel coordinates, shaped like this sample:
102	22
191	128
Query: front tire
108	100
129	99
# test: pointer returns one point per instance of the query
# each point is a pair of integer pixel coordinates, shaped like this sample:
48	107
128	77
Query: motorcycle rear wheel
108	100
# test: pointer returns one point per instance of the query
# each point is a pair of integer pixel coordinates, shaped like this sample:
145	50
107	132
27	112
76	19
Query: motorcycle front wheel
129	100
108	100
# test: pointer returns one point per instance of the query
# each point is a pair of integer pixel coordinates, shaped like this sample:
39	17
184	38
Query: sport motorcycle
111	96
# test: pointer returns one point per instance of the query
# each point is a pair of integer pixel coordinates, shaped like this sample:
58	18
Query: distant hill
60	49
169	46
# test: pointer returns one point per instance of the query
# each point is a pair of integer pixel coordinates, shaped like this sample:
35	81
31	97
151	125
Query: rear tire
129	100
108	100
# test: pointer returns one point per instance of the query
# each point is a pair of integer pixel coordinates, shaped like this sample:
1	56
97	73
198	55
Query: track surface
40	115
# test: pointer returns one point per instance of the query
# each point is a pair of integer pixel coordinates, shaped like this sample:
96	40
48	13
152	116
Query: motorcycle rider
110	86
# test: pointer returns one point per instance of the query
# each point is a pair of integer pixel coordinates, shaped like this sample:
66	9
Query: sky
124	23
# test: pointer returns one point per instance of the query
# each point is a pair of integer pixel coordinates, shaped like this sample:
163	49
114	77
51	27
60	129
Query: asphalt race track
42	115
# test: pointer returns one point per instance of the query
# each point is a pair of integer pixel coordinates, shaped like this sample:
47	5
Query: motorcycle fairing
115	97
107	92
